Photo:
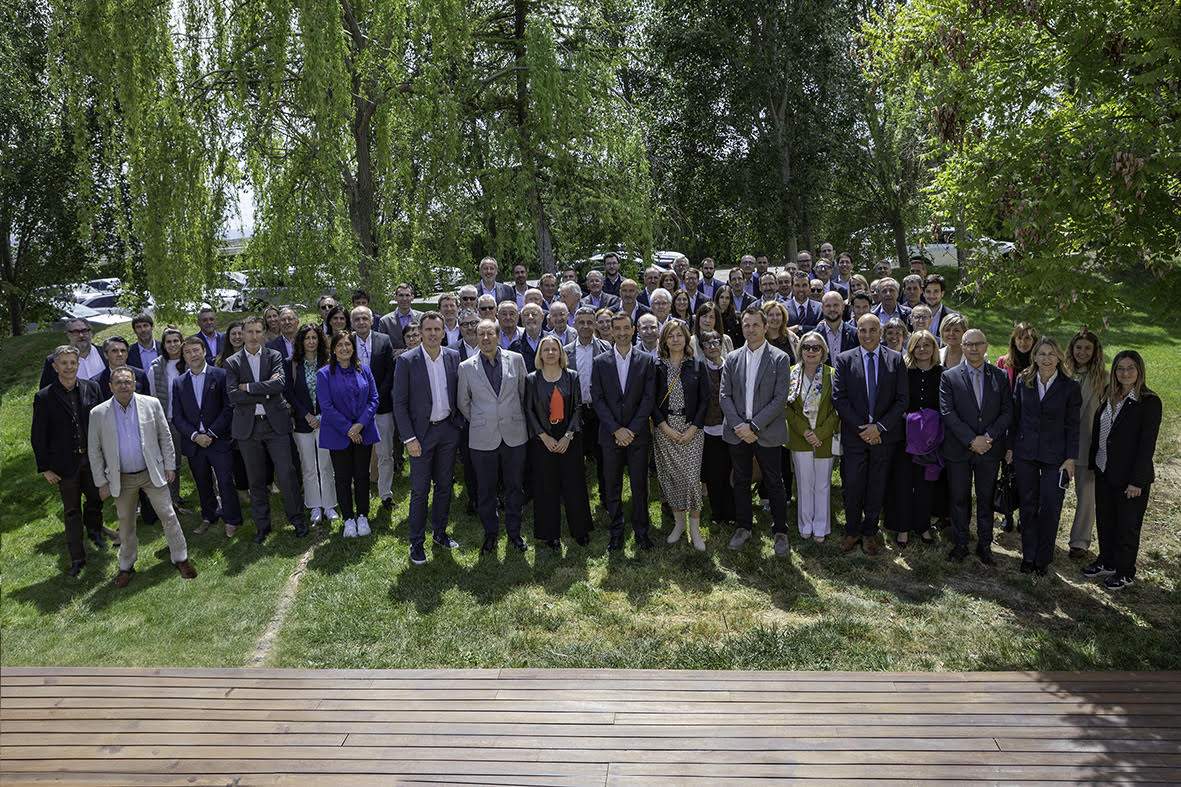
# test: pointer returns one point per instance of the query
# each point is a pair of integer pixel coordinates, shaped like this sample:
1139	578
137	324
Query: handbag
1004	498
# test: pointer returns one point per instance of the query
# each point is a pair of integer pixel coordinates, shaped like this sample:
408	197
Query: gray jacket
267	391
493	418
771	389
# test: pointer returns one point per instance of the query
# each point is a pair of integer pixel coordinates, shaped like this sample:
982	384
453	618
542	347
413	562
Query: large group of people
742	393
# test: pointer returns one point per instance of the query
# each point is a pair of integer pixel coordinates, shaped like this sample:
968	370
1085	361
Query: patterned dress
678	465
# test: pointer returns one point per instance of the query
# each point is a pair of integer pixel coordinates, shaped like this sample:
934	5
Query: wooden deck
585	727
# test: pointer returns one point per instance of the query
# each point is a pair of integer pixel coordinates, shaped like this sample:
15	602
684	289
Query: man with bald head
870	392
838	334
977	407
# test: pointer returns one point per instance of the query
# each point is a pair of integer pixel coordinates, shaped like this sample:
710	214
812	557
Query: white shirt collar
254	354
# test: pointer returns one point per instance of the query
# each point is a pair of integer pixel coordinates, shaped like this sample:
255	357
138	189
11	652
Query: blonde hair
820	340
1029	373
954	319
913	342
563	361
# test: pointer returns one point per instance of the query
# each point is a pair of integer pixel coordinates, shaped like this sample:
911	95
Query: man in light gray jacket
491	396
130	447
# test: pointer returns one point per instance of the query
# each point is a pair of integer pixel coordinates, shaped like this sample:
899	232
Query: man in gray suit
397	321
129	444
491	396
262	426
754	390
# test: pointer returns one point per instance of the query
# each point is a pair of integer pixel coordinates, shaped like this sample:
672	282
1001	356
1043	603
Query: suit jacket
963	420
528	354
298	396
537	406
52	433
709	287
850	396
134	358
155	435
213	417
627	408
694	386
104	382
1046	430
381	364
493	418
267	391
901	311
346	398
807	316
279	345
210	355
391	326
612	286
848	340
606	301
49	374
412	392
769	397
1130	443
504	292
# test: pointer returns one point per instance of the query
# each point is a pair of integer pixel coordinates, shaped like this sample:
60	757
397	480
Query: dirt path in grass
266	641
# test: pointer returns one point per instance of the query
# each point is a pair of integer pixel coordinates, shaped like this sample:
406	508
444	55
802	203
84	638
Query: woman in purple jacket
348	405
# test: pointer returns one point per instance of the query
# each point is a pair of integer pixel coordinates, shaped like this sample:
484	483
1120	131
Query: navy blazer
850	396
381	365
210	355
963	420
412	392
630	408
526	351
279	345
709	287
104	382
694	385
49	374
134	358
298	396
503	291
1130	443
848	341
606	301
808	315
1046	430
215	413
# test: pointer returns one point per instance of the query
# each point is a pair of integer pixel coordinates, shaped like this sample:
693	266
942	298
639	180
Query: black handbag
1004	498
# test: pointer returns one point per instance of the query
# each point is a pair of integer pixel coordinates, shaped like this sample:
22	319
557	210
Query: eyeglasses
812	348
469	324
487	308
711	343
467	297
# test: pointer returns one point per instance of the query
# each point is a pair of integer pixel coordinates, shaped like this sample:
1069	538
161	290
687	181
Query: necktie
871	380
978	384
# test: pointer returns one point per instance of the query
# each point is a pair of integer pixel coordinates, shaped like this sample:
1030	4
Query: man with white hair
662	305
534	328
488	285
571	295
559	322
595	296
648	335
508	317
651	282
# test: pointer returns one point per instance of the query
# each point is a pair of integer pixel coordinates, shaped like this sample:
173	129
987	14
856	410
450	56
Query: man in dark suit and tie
394	323
429	421
145	348
488	284
581	354
213	338
201	415
802	311
262	426
977	408
709	282
870	390
623	389
376	351
754	389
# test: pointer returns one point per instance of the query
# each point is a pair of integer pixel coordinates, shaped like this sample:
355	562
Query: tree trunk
359	185
899	231
8	269
545	242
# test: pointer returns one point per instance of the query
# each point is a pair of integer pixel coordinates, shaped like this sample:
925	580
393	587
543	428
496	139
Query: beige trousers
129	486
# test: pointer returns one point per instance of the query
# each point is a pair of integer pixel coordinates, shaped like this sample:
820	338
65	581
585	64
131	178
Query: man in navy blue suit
977	408
428	418
115	349
870	392
201	415
145	348
623	387
801	309
709	283
839	335
213	338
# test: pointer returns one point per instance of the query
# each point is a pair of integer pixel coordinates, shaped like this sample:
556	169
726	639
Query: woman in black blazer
315	463
1043	447
1123	440
553	398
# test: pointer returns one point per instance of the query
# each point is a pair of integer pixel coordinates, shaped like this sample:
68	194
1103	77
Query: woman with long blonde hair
1086	365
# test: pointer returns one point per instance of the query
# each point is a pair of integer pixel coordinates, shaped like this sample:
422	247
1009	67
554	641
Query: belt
681	411
260	417
440	421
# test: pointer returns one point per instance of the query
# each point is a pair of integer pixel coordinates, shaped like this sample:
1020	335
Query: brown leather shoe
230	530
871	545
849	543
123	578
186	569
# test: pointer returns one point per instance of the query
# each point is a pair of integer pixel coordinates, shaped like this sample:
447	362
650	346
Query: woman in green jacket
811	423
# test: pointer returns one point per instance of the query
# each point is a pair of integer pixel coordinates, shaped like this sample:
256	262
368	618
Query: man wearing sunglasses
91	362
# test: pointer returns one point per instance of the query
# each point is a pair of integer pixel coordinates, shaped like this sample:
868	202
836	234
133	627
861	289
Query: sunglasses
812	348
487	308
817	290
467	297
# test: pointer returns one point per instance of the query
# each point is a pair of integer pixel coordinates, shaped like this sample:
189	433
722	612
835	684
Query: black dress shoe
1042	570
518	543
75	568
644	543
470	508
1026	567
958	554
616	543
489	546
99	539
261	535
301	530
582	540
554	544
387	502
985	557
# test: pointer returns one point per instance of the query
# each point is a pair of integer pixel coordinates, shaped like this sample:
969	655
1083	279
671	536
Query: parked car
229	297
65	312
106	285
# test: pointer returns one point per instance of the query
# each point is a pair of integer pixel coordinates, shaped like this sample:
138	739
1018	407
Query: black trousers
914	495
979	472
75	513
633	458
1119	519
205	465
715	472
263	443
350	468
471	484
559	480
898	507
865	470
591	449
742	458
1041	508
507	463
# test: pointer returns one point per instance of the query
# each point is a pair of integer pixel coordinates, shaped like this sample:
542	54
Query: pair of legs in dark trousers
978	472
205	465
785	473
1119	519
265	442
742	458
865	470
715	472
559	481
1041	508
591	450
435	465
918	495
506	462
77	515
471	484
633	458
350	468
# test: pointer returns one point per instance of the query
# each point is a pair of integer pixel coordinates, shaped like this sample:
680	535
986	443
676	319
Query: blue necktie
871	379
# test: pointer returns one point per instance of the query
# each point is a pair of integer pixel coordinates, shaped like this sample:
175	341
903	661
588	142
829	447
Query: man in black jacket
61	418
376	350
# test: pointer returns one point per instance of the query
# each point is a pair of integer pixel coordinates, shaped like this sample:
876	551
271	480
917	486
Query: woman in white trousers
319	482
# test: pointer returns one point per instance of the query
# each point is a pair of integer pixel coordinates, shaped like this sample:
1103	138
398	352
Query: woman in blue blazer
1043	447
310	353
347	396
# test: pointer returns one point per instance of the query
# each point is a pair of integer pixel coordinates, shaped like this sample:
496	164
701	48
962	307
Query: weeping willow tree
378	139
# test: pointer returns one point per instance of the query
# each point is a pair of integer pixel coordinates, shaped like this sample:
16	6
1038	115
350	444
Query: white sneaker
331	514
350	528
362	526
316	516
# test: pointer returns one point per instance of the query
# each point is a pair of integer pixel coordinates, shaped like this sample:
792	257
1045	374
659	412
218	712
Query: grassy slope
361	605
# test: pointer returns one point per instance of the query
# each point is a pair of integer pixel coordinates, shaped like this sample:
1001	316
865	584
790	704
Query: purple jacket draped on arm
924	434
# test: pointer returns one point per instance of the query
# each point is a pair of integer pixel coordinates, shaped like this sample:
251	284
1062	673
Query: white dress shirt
584	358
453	335
752	359
1042	388
622	362
92	365
255	362
436	370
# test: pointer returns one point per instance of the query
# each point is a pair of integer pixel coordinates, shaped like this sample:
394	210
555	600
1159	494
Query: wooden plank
279	779
304	715
103	738
1016	773
452	768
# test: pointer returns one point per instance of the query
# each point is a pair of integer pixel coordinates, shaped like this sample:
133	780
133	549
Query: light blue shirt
131	449
147	355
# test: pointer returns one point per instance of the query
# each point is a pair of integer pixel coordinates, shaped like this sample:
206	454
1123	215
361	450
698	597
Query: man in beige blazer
130	448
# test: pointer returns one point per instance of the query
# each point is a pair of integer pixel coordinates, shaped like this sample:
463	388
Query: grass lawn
360	604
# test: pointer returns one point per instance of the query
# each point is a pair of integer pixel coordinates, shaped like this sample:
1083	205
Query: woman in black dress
918	474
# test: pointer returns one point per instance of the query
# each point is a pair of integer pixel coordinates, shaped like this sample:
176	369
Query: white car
106	285
96	319
108	303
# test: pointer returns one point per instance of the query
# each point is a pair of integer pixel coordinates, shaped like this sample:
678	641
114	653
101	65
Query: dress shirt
365	349
469	350
871	392
752	359
622	362
290	345
482	290
436	370
131	443
255	362
198	379
453	335
885	316
832	339
404	319
212	341
492	370
595	300
584	358
147	355
520	295
506	340
1043	387
92	365
1106	419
